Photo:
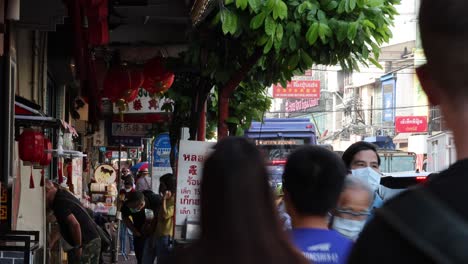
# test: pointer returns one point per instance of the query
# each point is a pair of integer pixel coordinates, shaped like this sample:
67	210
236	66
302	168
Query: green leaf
342	33
277	44
270	4
279	33
228	2
352	5
216	19
352	30
361	3
306	59
375	50
270	26
368	23
257	21
365	52
262	40
293	61
229	21
281	10
376	63
312	34
232	120
324	32
268	46
322	17
331	6
242	4
292	43
341	6
347	6
304	6
255	5
375	3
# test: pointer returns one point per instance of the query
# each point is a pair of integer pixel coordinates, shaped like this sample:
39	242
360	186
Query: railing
25	242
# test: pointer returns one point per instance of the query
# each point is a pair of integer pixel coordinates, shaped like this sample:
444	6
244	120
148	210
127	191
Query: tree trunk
226	92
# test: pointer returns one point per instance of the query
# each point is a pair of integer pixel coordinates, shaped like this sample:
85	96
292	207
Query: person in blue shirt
312	182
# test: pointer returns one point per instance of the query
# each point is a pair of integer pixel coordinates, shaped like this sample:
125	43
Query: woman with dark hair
239	222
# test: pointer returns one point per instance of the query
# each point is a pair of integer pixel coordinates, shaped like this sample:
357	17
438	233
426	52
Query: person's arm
130	226
167	212
75	229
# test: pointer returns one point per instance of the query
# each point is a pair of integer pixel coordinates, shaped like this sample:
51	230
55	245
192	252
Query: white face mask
348	228
368	175
128	190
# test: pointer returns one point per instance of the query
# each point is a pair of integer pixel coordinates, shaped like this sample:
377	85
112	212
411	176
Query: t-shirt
322	246
152	202
379	243
65	204
166	219
143	183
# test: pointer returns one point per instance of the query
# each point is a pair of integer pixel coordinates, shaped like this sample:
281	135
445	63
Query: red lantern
47	157
121	83
31	146
157	77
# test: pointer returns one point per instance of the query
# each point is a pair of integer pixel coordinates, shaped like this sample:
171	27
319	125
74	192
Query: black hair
313	179
135	197
239	222
167	183
444	36
354	149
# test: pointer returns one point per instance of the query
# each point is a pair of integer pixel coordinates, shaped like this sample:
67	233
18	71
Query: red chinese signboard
411	124
305	89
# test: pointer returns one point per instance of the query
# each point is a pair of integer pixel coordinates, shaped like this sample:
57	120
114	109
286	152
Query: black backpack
429	225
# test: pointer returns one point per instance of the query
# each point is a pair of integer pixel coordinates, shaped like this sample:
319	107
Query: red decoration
98	28
31	146
157	77
47	156
60	173
122	84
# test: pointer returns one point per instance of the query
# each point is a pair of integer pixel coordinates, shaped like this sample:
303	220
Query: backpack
429	225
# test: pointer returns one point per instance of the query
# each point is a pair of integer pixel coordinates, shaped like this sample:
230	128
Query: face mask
128	190
348	228
368	175
134	211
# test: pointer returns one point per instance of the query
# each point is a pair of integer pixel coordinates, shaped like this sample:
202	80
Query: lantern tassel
31	180
42	177
60	175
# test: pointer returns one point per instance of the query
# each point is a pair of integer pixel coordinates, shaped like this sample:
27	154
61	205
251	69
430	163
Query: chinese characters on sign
144	103
306	89
189	169
3	205
411	124
130	129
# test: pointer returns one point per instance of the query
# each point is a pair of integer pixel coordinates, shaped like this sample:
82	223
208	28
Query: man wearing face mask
124	231
143	208
362	159
353	208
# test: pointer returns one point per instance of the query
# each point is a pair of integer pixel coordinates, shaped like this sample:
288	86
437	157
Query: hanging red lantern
122	83
47	157
157	78
31	146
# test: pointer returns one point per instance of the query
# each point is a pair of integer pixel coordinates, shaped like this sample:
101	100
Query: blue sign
388	96
102	149
162	151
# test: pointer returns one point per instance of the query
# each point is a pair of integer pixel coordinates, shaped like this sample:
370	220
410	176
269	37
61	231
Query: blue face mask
369	176
347	227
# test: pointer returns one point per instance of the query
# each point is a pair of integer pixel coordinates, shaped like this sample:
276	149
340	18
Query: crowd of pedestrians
328	209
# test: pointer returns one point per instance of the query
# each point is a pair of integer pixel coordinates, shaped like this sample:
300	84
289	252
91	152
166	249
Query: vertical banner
388	96
189	171
161	159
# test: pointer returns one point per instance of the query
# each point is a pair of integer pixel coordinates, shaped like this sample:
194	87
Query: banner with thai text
192	154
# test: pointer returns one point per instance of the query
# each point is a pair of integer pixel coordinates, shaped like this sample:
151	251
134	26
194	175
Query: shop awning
28	113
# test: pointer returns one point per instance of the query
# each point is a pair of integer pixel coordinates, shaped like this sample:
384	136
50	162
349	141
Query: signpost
161	159
411	124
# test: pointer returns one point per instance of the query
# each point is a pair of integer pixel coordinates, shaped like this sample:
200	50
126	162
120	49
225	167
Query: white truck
440	152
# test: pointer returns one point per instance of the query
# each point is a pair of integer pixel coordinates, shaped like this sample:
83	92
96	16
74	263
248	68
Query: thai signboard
306	89
192	154
411	124
301	105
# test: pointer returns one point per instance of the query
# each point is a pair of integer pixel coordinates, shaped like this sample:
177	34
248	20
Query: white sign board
144	104
189	172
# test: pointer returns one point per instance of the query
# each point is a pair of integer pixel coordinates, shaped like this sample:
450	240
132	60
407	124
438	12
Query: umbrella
139	166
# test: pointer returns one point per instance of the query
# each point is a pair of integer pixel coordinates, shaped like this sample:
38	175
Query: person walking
143	181
239	222
429	223
164	230
312	182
